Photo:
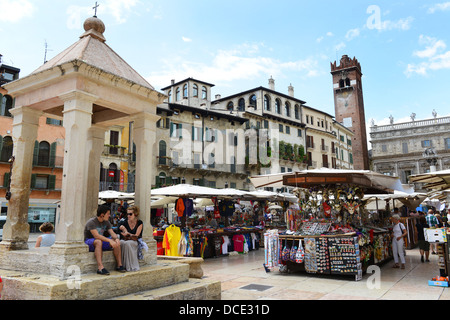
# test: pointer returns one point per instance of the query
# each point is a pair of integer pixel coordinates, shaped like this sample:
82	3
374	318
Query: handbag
286	252
300	255
131	237
293	252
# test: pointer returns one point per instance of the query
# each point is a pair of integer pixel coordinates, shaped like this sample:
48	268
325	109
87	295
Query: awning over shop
438	180
374	182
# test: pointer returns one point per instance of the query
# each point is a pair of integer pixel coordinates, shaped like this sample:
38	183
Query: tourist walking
399	232
424	246
433	222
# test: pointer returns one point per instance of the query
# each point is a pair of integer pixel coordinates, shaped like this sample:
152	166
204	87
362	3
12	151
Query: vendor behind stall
211	222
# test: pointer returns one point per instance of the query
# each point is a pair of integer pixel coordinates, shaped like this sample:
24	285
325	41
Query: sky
403	46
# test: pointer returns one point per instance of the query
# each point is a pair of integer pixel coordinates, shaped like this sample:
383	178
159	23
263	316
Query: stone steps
194	289
164	280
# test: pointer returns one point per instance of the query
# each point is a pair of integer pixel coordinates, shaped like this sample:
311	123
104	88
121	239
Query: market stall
379	206
436	183
233	222
331	232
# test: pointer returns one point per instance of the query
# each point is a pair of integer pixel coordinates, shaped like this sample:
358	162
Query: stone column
25	126
144	138
77	123
96	143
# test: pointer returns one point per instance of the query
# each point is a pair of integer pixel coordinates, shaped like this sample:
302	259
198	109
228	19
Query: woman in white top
48	238
399	231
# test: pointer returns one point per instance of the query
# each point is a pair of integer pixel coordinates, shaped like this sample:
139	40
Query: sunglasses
130	214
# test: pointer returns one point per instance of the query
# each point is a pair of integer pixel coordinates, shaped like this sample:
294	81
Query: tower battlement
345	63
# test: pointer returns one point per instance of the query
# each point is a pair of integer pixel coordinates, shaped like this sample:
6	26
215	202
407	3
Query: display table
339	254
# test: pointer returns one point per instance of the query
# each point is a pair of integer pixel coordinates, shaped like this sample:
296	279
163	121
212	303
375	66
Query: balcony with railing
167	163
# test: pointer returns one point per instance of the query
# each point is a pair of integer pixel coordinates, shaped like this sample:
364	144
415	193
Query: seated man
97	242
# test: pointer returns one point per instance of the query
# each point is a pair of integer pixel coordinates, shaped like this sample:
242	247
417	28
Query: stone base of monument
70	274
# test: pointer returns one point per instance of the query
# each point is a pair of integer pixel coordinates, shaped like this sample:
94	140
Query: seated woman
48	238
130	232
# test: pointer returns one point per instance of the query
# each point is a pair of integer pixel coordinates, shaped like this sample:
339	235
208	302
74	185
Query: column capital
25	114
141	118
78	95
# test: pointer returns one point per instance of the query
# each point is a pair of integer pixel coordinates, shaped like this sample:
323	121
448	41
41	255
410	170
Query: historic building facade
46	178
418	146
222	142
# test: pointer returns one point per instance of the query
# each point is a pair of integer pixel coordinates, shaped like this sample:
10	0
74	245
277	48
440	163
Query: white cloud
119	9
186	39
432	46
352	33
435	59
15	10
231	65
402	24
340	46
439	7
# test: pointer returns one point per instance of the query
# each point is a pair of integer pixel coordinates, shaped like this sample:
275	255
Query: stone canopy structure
89	87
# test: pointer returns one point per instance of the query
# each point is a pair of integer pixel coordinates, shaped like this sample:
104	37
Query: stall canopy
410	200
436	181
111	194
373	182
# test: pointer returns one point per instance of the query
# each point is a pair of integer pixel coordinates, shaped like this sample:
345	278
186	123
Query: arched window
241	104
6	103
341	83
162	152
347	82
267	103
195	90
204	93
170	96
230	106
278	106
177	95
287	109
185	91
7	149
44	154
252	101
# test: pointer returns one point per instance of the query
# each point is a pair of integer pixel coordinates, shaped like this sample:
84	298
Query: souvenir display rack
336	231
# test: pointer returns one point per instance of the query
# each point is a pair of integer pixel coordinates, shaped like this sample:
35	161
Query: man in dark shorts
94	237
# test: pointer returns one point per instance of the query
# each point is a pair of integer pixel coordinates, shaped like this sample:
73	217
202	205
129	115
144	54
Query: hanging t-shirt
179	207
238	241
189	207
172	236
226	242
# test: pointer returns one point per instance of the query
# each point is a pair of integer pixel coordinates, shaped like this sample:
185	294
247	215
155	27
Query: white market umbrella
111	194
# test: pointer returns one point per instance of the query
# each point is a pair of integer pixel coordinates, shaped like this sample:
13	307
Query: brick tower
349	106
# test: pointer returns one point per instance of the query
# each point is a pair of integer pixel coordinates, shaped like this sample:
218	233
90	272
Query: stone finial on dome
95	28
94	23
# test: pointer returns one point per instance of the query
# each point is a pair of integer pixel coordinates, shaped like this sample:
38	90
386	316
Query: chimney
271	84
218	96
173	81
291	90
